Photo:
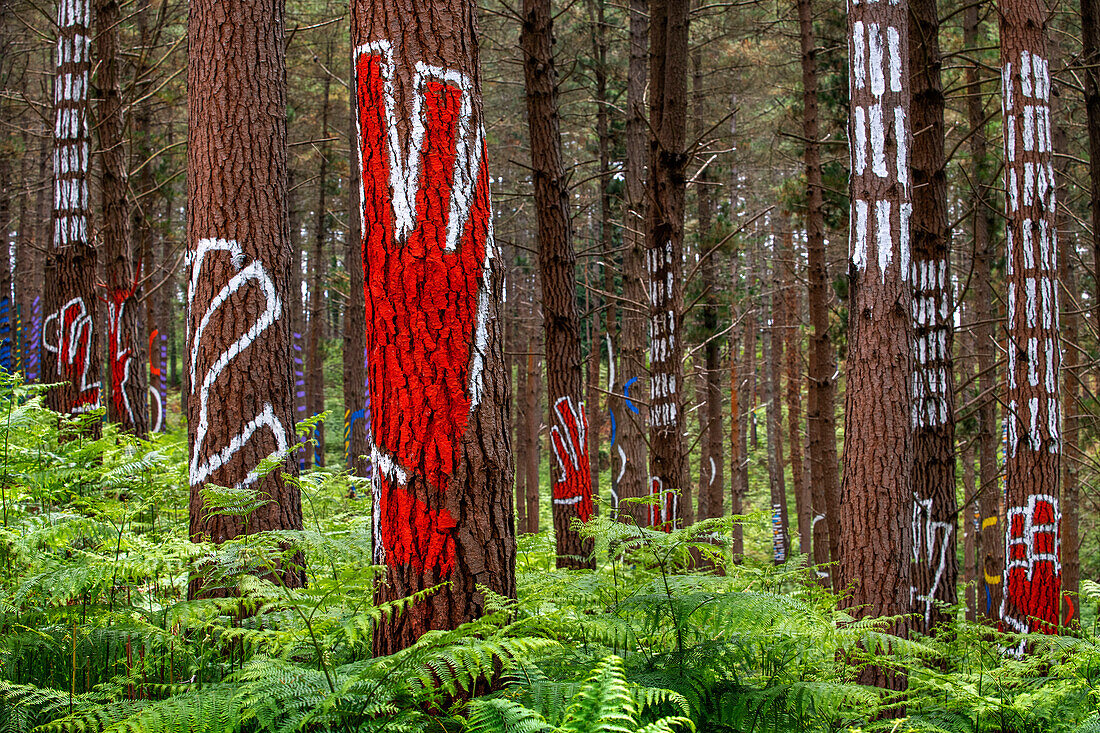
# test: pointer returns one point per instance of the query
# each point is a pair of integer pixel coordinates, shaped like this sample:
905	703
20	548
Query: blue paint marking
612	414
626	394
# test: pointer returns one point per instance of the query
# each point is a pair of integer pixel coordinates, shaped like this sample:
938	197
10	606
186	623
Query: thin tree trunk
7	311
443	466
876	540
991	539
1090	71
69	336
532	431
793	313
521	345
126	344
935	523
633	475
571	479
237	233
821	389
773	346
315	352
1032	574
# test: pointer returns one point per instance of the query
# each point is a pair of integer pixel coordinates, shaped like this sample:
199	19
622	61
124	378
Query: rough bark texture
356	392
442	462
570	475
1032	571
70	339
876	540
239	407
126	346
821	390
632	469
666	186
935	509
990	544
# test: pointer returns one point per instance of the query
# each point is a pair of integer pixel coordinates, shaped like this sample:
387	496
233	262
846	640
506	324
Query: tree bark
1032	573
793	342
126	346
632	471
876	540
571	478
1090	73
240	255
315	350
990	544
70	339
935	568
781	535
821	389
442	463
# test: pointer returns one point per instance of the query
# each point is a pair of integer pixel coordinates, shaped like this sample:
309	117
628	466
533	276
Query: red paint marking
421	313
1071	612
1033	588
573	485
154	364
662	515
75	332
119	353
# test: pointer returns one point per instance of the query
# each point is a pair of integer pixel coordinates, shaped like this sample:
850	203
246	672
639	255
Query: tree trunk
69	337
356	392
781	536
571	478
442	463
878	450
793	313
126	344
991	538
7	311
935	568
315	352
821	389
632	472
1090	71
238	239
520	344
1032	574
532	432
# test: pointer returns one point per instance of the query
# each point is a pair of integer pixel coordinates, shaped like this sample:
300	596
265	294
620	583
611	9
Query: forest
532	366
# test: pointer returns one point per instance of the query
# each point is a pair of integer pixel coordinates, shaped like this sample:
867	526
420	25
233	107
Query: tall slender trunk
1090	72
571	478
315	351
126	342
793	343
439	390
520	345
773	346
876	540
70	338
991	538
356	392
1032	573
632	471
821	388
7	310
935	509
238	241
532	429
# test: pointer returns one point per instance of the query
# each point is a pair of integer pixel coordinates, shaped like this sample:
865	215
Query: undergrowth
97	634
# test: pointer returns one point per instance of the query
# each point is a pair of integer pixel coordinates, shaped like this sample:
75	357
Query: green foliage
97	633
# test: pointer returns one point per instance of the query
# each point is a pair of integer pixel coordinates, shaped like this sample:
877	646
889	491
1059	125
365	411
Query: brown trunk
69	338
821	389
1032	574
970	522
7	312
532	432
356	393
935	568
28	273
591	392
876	498
438	385
793	313
238	240
781	535
520	345
1090	71
315	352
991	539
126	342
737	438
1071	394
747	376
571	478
632	472
29	262
712	458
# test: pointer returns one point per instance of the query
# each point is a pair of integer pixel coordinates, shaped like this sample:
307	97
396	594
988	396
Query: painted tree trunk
990	541
126	345
356	392
570	475
935	568
70	340
876	540
441	459
821	389
632	472
1032	570
240	264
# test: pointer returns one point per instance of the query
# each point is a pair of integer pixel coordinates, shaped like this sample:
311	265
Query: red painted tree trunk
1032	574
441	460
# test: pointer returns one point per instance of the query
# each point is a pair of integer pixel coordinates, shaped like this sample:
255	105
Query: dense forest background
713	603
